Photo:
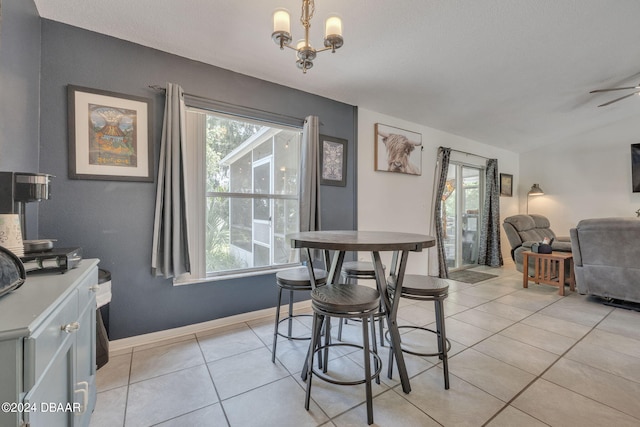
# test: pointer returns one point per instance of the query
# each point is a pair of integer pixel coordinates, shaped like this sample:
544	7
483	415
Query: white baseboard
154	337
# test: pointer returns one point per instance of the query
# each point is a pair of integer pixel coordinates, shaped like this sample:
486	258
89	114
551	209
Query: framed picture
506	185
333	161
109	135
635	168
397	150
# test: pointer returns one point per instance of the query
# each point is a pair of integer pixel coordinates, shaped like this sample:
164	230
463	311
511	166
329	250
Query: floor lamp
535	191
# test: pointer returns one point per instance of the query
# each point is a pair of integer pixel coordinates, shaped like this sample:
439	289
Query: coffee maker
19	188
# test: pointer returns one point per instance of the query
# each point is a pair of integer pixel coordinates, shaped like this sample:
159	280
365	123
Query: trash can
103	299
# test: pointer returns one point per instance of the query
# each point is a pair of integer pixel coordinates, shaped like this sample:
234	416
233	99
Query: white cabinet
47	349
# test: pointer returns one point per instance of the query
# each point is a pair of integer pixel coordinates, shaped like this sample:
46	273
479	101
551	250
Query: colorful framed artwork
397	150
333	161
506	185
109	135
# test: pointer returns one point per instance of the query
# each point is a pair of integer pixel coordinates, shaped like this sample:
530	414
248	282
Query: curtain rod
236	107
470	154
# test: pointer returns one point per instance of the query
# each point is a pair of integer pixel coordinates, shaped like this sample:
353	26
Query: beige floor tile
162	343
559	326
578	311
465	333
619	393
484	320
228	343
557	406
277	404
161	360
606	359
462	405
540	338
622	322
489	374
389	409
335	399
464	299
110	407
503	310
211	416
516	353
168	396
244	372
488	291
619	343
522	301
416	315
512	417
115	373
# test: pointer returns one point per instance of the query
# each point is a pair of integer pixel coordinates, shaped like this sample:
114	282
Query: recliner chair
525	230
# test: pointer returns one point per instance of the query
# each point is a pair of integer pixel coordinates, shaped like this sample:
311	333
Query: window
243	193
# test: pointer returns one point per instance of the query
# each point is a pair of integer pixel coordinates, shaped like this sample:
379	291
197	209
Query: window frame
197	194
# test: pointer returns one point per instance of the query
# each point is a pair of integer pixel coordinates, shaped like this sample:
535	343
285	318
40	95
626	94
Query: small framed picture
398	150
506	185
333	161
109	135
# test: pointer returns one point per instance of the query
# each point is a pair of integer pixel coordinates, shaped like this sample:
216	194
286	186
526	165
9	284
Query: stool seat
358	268
345	298
299	277
418	285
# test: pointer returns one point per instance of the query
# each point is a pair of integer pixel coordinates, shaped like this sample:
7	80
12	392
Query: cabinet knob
70	327
94	288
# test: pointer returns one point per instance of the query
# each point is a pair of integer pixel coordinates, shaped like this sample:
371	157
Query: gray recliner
606	256
525	230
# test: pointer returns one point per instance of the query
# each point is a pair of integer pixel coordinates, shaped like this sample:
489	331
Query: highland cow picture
397	150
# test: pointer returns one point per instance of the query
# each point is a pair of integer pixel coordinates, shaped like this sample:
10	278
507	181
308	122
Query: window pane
261	256
286	163
239	178
262	233
220	254
264	150
261	209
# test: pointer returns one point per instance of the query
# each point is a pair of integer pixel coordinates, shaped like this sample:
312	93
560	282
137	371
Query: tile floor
519	357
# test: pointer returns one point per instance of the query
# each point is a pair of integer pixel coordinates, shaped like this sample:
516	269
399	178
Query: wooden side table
548	269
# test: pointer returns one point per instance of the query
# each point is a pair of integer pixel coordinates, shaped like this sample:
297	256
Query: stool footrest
386	336
328	379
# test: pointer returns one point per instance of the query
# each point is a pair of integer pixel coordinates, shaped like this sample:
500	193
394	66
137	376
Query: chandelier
305	52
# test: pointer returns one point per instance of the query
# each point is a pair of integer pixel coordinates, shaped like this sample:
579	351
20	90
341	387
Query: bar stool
344	301
293	280
351	272
425	288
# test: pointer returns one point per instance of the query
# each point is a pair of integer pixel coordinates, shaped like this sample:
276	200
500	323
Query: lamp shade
281	22
535	191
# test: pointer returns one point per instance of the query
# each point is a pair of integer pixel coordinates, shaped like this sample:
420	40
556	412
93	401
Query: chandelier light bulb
333	27
281	21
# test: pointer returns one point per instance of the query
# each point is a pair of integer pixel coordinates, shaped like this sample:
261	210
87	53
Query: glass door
462	201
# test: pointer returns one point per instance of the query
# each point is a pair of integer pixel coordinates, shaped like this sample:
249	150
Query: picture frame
397	150
109	135
333	161
506	185
635	168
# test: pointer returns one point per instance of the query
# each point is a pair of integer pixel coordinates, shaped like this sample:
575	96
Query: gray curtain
489	252
440	180
309	176
170	256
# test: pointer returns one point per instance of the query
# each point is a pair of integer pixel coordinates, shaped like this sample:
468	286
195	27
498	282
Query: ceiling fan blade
618	99
615	88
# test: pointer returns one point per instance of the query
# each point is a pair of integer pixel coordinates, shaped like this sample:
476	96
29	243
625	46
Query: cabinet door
85	348
50	401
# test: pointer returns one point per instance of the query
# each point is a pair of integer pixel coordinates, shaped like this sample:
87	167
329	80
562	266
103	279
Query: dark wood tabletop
353	240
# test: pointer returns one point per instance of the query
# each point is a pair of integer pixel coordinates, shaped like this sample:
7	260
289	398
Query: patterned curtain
489	252
440	181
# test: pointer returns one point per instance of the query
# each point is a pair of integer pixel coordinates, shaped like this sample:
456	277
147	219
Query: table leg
561	277
572	277
391	312
525	270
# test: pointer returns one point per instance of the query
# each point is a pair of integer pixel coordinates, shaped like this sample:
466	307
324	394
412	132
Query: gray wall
113	221
20	92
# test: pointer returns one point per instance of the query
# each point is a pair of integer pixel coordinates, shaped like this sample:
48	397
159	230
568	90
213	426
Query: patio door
462	201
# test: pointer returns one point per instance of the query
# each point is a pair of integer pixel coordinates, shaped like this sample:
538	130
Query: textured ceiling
511	73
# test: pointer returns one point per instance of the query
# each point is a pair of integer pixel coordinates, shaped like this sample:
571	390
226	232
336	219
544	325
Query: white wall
400	202
589	177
